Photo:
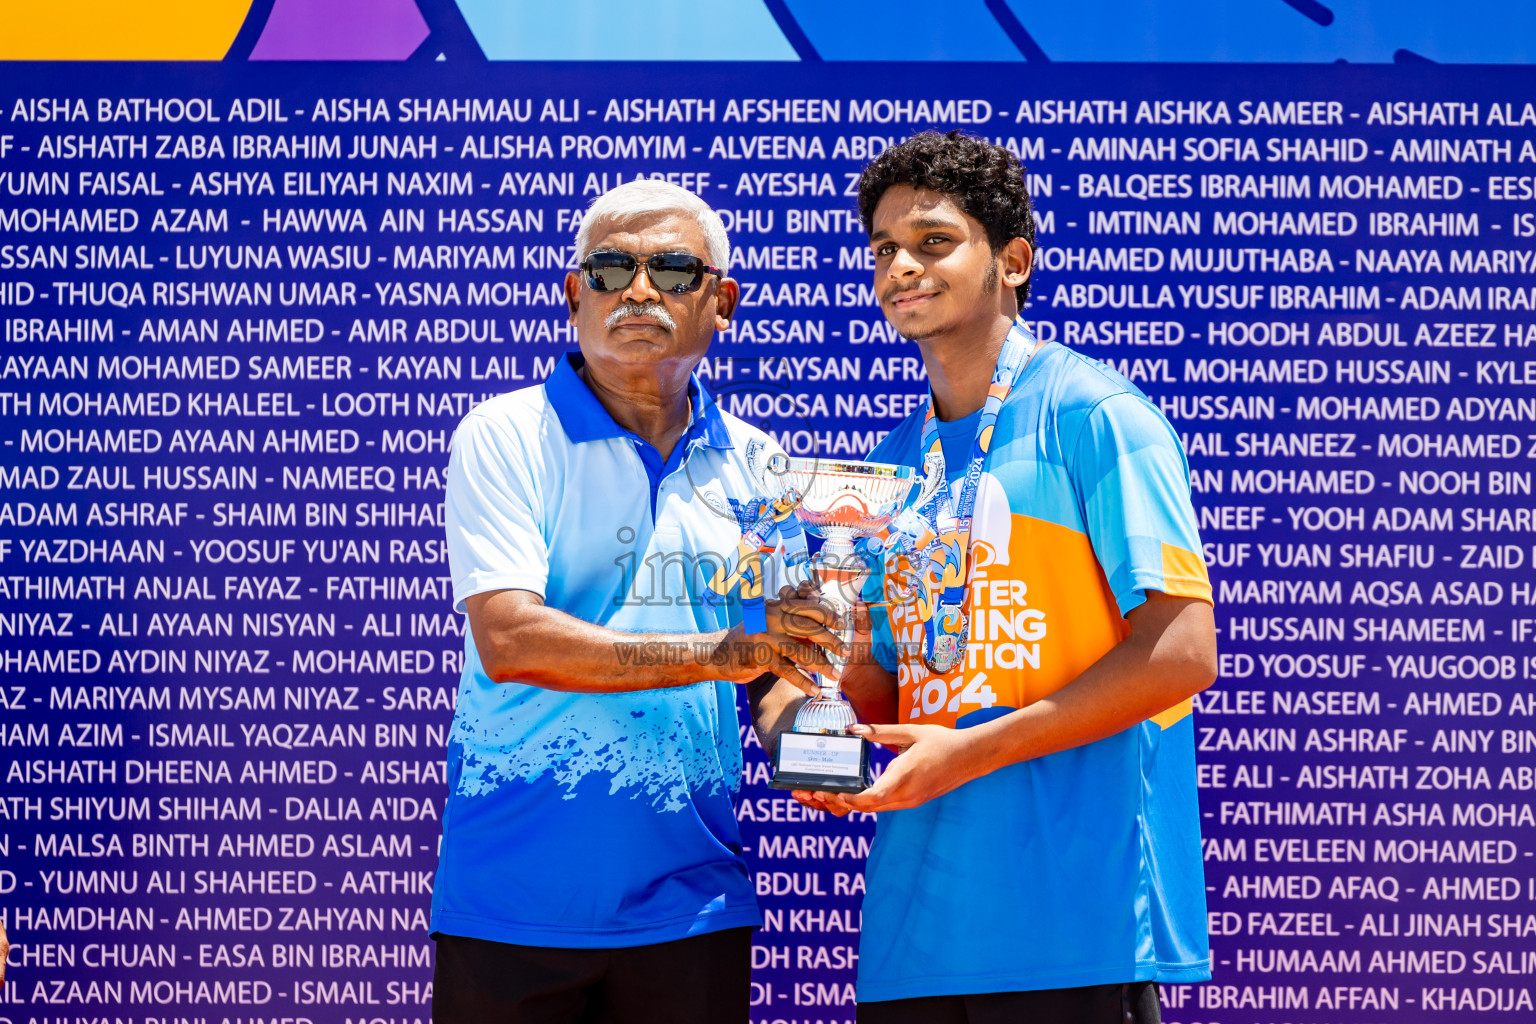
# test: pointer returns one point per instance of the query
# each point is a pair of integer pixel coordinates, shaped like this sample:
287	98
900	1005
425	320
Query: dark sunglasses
677	272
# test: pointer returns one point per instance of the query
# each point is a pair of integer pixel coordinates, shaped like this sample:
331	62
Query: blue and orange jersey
1082	867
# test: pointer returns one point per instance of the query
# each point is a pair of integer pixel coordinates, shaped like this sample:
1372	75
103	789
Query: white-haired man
591	867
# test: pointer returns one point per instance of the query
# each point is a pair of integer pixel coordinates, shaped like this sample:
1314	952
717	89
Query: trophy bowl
843	501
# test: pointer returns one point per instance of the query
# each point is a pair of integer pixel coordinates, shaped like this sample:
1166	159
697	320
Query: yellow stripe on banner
1175	714
119	29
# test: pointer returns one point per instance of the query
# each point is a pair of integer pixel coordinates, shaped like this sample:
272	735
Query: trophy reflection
840	502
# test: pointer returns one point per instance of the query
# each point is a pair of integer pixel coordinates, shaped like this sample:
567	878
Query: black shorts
705	979
1135	1003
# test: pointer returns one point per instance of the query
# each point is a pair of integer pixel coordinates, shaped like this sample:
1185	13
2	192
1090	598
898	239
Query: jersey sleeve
493	511
1132	478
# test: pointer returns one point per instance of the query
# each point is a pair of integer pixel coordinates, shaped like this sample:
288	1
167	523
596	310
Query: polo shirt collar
584	418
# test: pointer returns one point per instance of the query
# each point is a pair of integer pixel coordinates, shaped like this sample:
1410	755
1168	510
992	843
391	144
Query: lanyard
947	537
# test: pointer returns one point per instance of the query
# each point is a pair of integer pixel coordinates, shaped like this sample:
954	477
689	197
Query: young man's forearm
872	691
1169	656
1159	666
773	704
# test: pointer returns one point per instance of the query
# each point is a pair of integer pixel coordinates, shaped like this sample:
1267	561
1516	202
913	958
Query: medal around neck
841	502
946	636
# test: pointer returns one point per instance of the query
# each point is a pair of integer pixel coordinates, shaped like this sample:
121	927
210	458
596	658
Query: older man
591	867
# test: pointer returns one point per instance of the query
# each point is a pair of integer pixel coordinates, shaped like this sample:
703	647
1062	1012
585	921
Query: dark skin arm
1169	656
773	703
521	640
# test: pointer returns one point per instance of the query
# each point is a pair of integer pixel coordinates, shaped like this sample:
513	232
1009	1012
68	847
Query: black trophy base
827	764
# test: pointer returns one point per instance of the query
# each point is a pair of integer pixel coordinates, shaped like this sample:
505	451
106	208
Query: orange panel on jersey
1036	623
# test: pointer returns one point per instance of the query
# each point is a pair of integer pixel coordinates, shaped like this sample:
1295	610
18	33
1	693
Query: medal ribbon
766	525
941	529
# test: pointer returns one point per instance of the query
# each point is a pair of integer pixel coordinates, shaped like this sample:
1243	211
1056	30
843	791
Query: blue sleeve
1131	476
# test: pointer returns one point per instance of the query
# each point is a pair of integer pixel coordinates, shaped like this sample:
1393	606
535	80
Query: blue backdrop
246	304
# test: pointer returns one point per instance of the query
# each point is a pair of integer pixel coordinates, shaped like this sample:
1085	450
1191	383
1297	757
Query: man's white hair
643	196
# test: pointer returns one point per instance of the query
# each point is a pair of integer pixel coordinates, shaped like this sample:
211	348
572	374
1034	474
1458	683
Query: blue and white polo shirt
594	820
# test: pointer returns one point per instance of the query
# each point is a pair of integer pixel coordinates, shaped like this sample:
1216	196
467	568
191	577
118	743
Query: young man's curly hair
984	180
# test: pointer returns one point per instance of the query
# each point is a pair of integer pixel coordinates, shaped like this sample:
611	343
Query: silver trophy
840	502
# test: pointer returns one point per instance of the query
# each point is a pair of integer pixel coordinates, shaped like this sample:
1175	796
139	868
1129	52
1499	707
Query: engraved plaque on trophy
839	502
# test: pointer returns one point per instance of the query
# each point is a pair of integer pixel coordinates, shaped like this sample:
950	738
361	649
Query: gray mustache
650	310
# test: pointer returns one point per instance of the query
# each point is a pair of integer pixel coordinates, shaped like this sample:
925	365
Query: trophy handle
755	448
933	479
762	467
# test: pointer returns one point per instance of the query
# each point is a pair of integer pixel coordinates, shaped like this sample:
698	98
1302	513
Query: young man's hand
931	760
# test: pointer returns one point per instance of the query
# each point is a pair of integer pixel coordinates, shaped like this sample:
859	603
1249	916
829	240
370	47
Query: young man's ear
1015	262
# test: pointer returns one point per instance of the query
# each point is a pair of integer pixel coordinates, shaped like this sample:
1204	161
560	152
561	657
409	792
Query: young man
591	867
1037	856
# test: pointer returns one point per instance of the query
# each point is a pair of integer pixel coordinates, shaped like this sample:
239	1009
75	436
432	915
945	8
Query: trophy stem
831	684
838	572
838	575
838	548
